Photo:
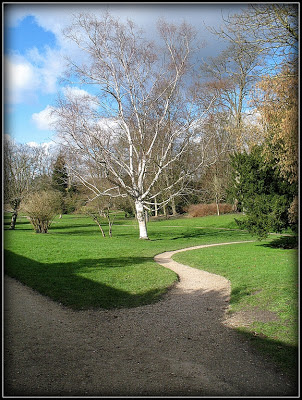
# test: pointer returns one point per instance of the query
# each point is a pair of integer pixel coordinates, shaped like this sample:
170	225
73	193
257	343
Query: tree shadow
192	233
238	293
19	225
6	224
57	227
208	232
285	356
283	242
74	283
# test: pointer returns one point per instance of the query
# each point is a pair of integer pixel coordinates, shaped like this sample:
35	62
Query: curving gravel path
180	346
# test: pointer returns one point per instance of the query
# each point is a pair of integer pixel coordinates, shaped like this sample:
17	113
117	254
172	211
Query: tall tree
126	132
229	77
277	105
60	179
60	174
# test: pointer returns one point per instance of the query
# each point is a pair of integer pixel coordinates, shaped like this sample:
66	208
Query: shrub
41	207
201	210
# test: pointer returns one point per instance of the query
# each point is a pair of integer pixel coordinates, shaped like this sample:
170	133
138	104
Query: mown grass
264	280
74	265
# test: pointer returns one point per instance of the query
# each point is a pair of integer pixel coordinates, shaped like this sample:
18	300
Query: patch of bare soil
179	346
248	317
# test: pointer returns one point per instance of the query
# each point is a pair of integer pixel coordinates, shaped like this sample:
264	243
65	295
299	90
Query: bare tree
272	27
261	37
140	120
22	165
216	178
230	77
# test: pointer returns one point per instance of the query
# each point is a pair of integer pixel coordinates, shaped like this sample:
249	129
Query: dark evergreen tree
60	179
261	192
60	175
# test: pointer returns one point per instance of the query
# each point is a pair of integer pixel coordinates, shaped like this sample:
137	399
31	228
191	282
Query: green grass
264	278
74	265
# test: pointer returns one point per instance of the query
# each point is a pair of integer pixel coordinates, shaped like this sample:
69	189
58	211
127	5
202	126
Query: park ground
94	301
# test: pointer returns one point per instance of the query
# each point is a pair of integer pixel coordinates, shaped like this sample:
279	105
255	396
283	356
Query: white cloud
22	75
33	144
110	124
44	120
29	76
50	65
21	79
47	146
74	93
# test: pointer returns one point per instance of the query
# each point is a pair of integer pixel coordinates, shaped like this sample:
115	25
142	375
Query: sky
35	50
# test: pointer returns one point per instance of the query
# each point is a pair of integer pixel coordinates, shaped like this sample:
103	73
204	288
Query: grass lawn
75	265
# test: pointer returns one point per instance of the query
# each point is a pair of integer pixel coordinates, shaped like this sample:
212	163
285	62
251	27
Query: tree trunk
99	225
155	207
140	215
15	203
173	205
14	219
217	206
165	211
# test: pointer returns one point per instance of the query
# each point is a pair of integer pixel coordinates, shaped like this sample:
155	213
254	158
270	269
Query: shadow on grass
6	224
192	233
209	232
64	283
238	294
56	226
283	242
76	230
284	355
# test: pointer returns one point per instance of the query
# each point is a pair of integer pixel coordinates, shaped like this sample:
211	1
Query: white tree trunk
140	215
155	207
217	206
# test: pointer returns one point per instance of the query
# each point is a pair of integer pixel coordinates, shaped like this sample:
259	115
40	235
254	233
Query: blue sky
34	50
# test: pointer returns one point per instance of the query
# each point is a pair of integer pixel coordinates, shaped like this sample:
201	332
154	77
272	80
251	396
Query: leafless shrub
41	208
202	210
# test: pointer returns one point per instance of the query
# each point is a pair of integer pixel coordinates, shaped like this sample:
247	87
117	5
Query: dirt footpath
180	346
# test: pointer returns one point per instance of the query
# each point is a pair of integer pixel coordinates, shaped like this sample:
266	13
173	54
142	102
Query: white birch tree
140	119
